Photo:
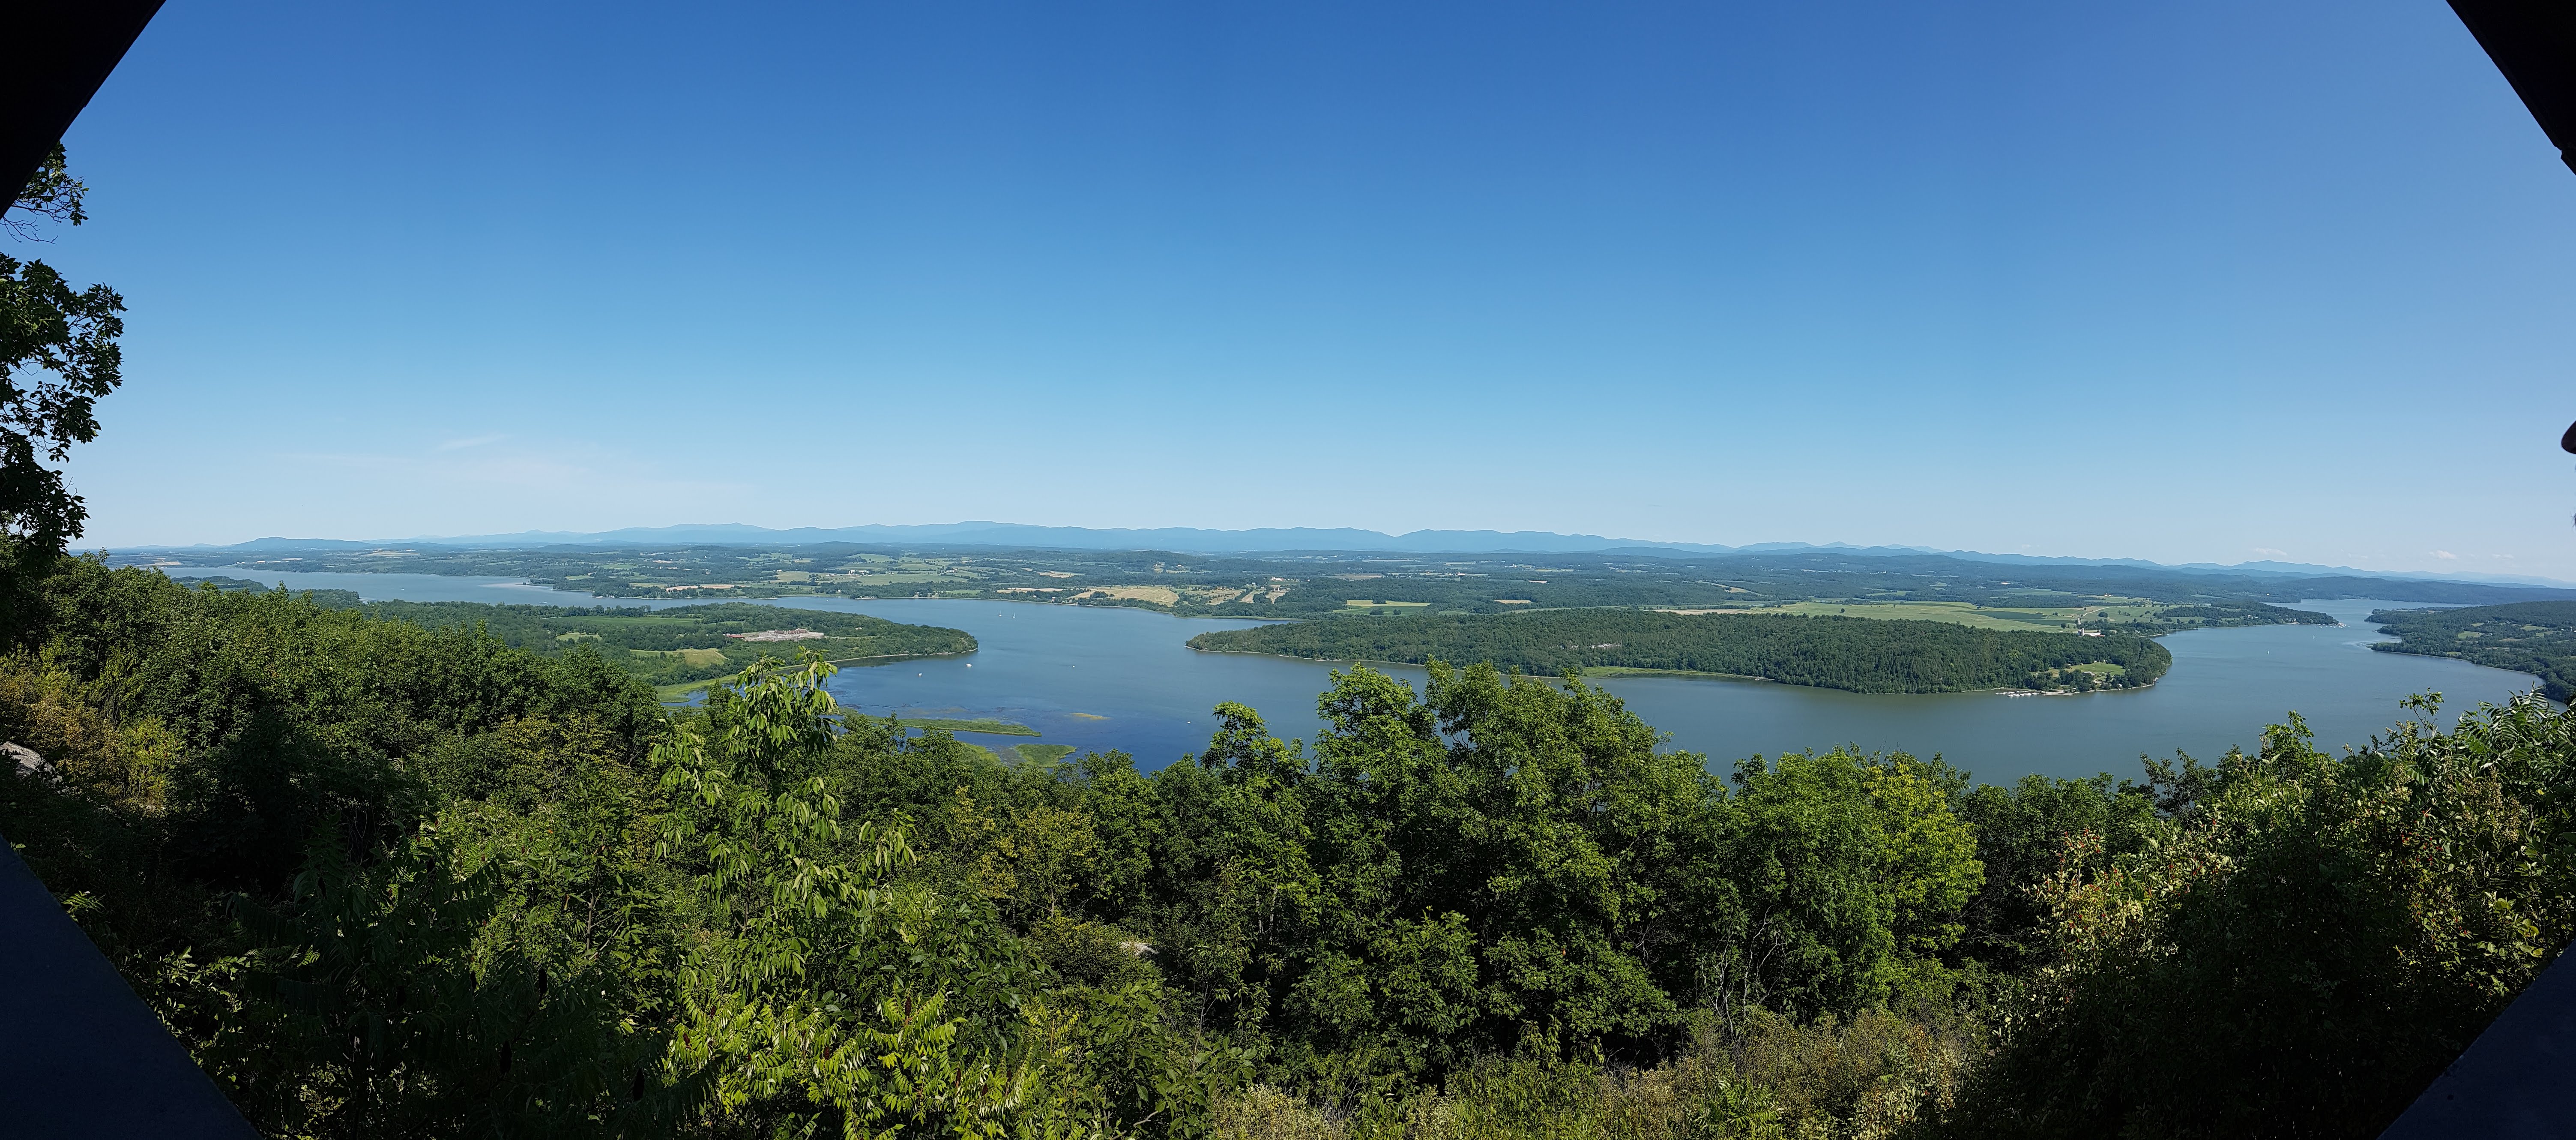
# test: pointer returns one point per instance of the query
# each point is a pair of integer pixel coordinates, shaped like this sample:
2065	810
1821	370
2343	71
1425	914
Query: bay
1102	678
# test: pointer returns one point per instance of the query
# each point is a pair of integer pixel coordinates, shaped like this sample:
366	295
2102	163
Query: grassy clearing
1159	595
2104	669
1364	603
864	578
673	694
1963	613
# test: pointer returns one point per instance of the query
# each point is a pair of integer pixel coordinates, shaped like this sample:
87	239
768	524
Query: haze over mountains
1193	540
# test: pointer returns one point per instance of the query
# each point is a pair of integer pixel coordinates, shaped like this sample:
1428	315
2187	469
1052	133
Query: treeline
1863	655
2220	615
386	880
1324	596
327	599
2538	638
682	643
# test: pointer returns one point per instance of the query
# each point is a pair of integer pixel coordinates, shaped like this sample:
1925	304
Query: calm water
409	587
1117	678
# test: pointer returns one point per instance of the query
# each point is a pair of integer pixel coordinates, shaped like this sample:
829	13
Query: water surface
2224	687
1095	677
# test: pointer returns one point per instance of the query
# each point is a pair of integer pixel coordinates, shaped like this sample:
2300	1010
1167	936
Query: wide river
1119	678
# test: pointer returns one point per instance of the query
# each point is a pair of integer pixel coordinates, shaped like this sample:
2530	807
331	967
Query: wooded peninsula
1859	654
2538	638
686	644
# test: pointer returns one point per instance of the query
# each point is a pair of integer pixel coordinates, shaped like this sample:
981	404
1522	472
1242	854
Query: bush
2307	945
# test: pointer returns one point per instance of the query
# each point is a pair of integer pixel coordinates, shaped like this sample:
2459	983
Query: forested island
686	644
389	879
1858	654
2538	638
671	648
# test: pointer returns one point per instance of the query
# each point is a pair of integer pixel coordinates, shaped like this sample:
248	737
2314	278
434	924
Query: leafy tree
2306	947
2022	831
404	1000
1849	872
58	356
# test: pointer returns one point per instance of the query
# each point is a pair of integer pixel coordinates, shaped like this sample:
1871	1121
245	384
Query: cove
1102	678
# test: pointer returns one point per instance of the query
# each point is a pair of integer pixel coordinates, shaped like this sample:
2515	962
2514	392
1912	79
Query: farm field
1976	616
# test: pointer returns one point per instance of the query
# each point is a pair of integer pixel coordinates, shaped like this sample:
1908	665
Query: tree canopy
1860	654
58	357
2527	637
388	879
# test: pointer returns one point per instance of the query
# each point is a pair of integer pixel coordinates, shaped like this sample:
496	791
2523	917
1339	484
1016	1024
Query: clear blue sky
2187	281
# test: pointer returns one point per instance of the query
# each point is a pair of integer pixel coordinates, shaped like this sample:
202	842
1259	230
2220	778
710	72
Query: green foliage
2306	943
58	358
2022	833
397	1000
2527	637
2218	615
1850	875
388	880
1859	654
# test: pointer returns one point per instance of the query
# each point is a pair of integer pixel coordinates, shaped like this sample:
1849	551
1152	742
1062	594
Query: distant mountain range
1265	540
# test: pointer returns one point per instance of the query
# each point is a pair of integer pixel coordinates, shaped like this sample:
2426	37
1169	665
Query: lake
1096	677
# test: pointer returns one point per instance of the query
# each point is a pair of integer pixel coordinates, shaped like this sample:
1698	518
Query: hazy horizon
2202	283
1569	546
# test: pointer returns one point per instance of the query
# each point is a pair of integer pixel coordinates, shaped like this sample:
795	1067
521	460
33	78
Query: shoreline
1615	672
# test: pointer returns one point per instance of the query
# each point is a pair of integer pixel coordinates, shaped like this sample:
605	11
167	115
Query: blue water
1119	678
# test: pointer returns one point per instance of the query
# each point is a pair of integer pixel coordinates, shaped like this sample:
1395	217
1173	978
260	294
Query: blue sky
2190	281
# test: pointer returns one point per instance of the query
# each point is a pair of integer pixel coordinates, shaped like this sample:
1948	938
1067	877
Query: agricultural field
1969	614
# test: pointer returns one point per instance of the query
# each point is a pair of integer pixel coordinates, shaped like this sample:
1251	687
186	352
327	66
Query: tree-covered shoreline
685	643
1859	654
2538	638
